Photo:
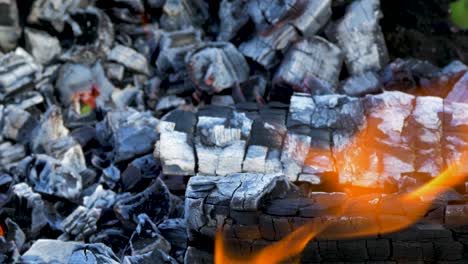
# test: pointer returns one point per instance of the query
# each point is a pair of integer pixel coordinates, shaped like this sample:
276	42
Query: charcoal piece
46	251
455	120
427	143
17	124
129	132
233	16
138	170
360	37
286	207
42	46
28	100
194	255
11	154
180	14
185	121
147	238
130	58
255	159
33	219
412	251
18	70
294	153
110	176
207	159
242	192
310	178
15	233
100	198
456	214
408	74
169	102
155	256
94	35
176	152
216	66
265	49
454	67
458	93
5	187
154	201
93	253
314	15
54	12
10	30
175	231
174	46
378	249
81	222
114	71
314	57
230	159
77	82
47	175
362	84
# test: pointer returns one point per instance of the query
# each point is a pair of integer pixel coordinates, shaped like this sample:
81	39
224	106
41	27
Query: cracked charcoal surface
132	130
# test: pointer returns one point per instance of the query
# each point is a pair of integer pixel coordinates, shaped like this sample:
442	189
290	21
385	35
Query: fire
332	228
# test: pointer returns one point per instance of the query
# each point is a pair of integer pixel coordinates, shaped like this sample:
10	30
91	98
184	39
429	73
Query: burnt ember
250	131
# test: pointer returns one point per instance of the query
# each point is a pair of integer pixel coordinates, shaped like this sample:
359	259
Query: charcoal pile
137	131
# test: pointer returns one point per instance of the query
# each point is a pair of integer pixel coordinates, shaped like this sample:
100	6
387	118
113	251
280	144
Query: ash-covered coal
132	131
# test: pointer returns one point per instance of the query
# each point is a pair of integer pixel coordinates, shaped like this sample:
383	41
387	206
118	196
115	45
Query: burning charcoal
454	67
43	47
309	57
233	16
216	67
459	93
11	154
242	192
180	14
265	49
456	118
17	124
28	209
129	58
82	86
147	238
81	222
360	37
362	84
18	70
153	201
294	153
427	143
169	102
175	150
10	30
100	198
129	132
47	175
174	46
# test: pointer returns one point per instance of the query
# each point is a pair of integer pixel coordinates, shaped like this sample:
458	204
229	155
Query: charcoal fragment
154	201
18	70
129	58
217	66
362	84
81	222
32	219
10	30
43	47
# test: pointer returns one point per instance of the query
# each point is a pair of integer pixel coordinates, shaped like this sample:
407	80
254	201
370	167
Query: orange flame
410	203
